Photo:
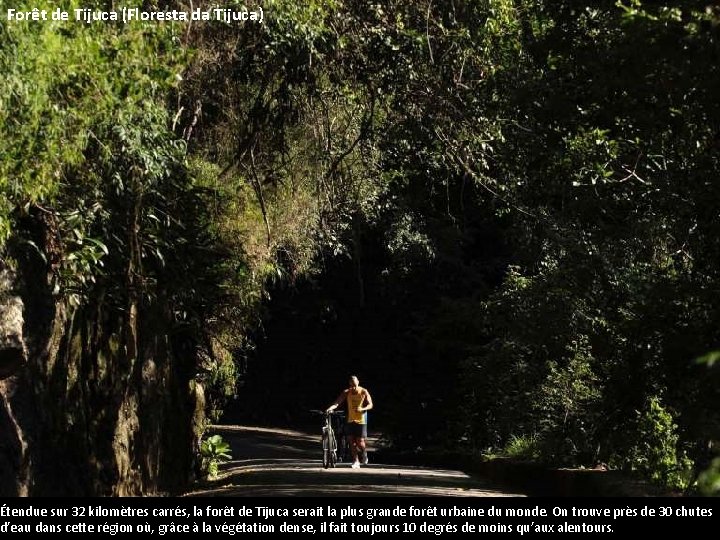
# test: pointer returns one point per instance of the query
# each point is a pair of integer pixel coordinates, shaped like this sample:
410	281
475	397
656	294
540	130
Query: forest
502	215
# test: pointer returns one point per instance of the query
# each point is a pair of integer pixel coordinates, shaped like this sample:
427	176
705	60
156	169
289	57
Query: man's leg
362	446
355	447
362	450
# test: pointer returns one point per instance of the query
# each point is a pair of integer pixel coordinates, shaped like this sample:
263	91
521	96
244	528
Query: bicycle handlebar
333	412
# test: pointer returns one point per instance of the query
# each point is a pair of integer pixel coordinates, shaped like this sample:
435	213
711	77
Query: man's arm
368	401
338	401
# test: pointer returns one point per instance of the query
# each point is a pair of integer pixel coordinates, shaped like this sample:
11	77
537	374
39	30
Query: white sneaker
365	458
355	465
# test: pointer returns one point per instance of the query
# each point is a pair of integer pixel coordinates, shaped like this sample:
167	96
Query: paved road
280	462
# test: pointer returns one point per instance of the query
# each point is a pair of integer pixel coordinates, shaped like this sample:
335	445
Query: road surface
281	462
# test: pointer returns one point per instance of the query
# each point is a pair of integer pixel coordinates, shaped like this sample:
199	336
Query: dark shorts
353	429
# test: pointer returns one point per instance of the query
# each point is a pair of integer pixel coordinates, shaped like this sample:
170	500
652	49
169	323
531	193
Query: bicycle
329	440
343	451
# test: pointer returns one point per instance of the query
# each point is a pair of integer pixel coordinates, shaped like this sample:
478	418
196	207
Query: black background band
163	516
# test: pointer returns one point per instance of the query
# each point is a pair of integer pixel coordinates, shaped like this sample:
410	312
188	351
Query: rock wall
13	357
79	413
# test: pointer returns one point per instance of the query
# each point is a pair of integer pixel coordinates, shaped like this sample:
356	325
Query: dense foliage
501	214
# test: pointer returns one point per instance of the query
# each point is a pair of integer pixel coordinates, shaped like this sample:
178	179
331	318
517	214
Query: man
358	403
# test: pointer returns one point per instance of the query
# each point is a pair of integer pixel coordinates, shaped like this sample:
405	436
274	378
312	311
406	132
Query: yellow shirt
355	400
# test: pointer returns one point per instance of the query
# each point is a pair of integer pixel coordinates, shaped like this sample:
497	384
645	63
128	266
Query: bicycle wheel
326	450
333	450
332	445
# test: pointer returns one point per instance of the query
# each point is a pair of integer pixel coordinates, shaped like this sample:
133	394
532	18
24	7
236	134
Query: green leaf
709	359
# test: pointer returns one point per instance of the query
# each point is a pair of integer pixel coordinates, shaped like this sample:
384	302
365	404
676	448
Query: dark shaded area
10	360
400	325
